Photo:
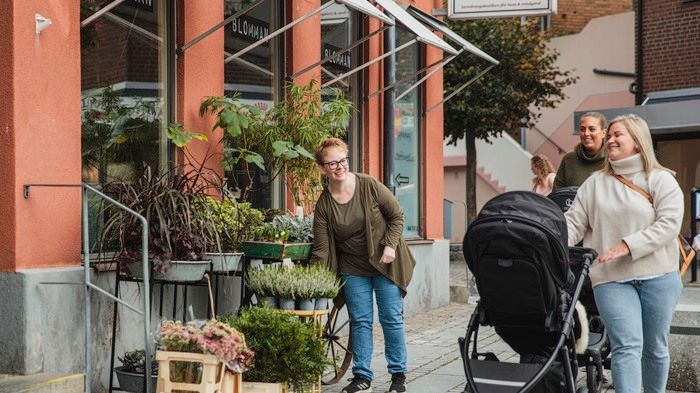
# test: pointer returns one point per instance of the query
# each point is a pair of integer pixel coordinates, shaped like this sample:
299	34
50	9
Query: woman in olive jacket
358	227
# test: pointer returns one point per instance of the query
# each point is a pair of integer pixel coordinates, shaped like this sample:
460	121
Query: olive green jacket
576	166
383	227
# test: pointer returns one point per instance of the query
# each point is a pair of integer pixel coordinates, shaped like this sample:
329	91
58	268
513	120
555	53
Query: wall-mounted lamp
42	22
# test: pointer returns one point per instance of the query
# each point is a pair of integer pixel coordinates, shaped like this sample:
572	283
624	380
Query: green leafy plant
231	219
281	139
262	281
285	228
287	350
135	362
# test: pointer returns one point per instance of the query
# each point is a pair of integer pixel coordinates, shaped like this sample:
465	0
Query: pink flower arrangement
211	337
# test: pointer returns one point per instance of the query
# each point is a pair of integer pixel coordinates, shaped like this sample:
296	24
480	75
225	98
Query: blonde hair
639	131
542	167
326	143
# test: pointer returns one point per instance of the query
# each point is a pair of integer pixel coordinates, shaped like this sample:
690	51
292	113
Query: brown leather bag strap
631	185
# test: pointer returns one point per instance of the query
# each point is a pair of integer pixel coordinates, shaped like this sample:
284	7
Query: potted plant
230	218
177	232
280	140
327	286
261	281
131	373
286	236
285	287
287	350
196	353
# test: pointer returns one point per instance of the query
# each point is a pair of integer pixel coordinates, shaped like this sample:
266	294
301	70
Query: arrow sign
401	180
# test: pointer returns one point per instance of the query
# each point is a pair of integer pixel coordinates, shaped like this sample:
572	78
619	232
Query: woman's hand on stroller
619	250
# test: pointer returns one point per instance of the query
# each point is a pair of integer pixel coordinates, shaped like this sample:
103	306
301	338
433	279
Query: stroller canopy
540	214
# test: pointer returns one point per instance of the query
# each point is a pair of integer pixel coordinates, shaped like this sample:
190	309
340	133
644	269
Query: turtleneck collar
629	165
583	156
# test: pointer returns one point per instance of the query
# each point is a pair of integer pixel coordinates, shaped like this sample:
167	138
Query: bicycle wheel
338	346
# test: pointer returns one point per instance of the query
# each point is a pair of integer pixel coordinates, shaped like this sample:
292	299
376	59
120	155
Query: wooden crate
232	383
260	387
270	250
212	372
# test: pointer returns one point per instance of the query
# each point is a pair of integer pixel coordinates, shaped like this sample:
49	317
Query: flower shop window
407	134
255	78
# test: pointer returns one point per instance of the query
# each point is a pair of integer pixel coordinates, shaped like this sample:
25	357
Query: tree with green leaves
507	97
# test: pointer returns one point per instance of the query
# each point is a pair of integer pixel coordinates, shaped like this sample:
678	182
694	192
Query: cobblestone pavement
433	355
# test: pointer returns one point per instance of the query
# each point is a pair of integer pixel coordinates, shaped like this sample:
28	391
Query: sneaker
398	383
358	385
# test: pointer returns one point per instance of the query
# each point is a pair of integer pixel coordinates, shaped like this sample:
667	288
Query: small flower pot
270	301
305	305
132	382
287	304
321	303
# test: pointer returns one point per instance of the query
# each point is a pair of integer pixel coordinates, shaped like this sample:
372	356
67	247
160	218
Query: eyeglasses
333	165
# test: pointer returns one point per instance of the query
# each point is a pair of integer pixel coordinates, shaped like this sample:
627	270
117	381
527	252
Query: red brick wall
573	15
670	45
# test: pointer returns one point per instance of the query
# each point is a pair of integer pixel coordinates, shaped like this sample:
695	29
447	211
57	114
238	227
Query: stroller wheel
594	380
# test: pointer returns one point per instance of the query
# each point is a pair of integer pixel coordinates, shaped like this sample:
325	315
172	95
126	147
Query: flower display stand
274	250
212	372
232	383
260	387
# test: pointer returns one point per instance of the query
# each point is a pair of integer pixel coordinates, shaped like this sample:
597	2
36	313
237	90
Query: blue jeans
358	294
638	316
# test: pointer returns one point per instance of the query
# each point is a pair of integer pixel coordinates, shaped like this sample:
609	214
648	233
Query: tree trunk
470	196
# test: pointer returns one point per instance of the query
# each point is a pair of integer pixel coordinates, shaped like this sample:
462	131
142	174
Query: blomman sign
476	9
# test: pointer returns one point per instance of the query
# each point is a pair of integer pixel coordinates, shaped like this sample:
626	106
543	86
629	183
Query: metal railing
89	286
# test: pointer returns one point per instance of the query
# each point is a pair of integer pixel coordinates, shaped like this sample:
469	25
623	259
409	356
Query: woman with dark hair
588	156
358	226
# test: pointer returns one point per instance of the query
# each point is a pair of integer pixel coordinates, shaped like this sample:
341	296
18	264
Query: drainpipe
640	52
389	100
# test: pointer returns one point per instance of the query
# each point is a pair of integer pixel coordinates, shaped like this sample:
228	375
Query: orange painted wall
200	73
40	135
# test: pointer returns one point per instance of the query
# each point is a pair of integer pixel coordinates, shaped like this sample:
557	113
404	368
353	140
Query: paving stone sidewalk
433	355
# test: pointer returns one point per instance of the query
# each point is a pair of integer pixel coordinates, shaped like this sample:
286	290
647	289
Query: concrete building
60	79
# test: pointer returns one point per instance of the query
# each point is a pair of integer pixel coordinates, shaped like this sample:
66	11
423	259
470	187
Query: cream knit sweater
606	211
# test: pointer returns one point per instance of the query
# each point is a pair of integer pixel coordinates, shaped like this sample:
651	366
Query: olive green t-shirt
350	238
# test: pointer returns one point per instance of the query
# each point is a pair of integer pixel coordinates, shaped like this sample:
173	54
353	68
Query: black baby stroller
598	349
517	251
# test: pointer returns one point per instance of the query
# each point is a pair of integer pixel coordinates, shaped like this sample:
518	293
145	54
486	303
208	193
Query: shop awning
359	5
422	33
436	25
463	44
668	113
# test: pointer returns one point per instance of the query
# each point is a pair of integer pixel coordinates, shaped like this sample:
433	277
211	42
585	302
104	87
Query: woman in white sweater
635	278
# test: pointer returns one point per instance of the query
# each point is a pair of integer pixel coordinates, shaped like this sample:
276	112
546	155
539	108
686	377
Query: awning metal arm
129	25
278	32
369	63
204	35
464	86
100	12
332	75
428	75
252	66
407	78
349	48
